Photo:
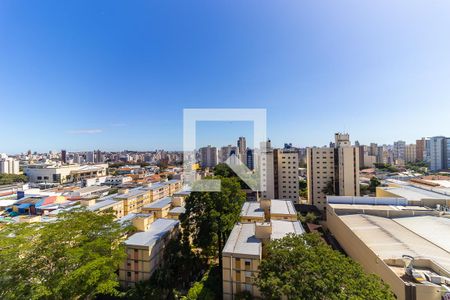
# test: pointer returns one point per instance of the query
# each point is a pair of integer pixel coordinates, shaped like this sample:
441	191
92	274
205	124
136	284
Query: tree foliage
76	256
210	216
374	182
12	178
304	267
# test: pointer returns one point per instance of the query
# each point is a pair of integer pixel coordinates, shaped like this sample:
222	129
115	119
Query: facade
42	173
242	148
332	171
267	170
286	174
379	237
63	156
244	248
133	200
9	165
209	157
399	152
250	159
437	153
410	153
420	149
145	250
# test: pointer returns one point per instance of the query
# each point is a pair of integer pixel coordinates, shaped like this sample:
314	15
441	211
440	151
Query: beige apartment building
336	166
410	153
116	205
268	209
379	236
133	200
145	250
279	173
261	222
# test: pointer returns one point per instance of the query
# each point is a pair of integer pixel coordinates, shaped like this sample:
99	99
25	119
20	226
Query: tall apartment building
242	147
279	170
399	152
286	174
250	159
332	171
373	149
410	153
437	151
9	165
63	156
420	149
226	152
267	170
209	157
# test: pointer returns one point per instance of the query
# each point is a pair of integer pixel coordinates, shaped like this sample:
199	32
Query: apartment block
410	153
145	250
244	250
133	200
209	157
332	170
268	209
420	149
8	165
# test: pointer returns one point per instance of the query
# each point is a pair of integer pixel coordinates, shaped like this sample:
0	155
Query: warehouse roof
413	193
389	239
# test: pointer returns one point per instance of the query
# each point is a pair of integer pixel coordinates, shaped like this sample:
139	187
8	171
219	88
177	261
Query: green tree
304	267
76	256
374	182
310	217
210	217
12	178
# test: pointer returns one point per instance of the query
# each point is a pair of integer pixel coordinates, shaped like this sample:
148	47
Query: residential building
209	157
9	165
332	171
437	153
399	152
286	174
227	151
245	247
63	156
250	159
420	149
133	200
145	250
101	205
410	153
268	209
267	170
242	148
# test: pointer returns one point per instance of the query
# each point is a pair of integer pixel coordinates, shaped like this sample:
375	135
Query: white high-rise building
399	152
9	165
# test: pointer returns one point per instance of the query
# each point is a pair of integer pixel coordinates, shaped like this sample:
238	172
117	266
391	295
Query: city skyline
91	75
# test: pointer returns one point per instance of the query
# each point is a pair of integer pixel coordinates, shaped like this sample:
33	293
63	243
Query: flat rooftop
131	193
413	193
242	239
392	238
157	230
178	210
102	204
282	207
252	209
132	216
378	207
282	228
159	203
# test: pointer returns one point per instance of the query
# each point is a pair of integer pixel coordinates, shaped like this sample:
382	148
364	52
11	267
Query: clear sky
117	74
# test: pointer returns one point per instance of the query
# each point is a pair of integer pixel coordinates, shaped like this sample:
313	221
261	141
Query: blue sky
117	74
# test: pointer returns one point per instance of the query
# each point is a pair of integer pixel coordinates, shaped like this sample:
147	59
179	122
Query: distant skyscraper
242	147
410	153
209	157
63	156
333	171
438	153
90	157
420	149
399	152
250	159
